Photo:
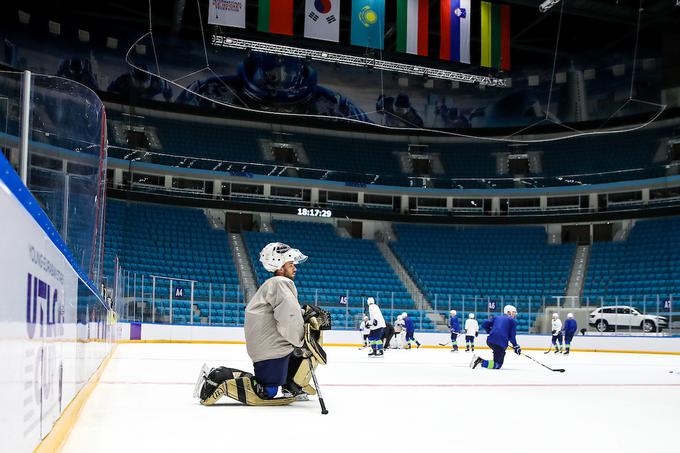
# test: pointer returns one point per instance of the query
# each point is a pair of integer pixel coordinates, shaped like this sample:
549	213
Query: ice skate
202	376
475	361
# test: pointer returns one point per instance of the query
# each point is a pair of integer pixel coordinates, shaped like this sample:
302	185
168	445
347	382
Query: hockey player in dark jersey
502	330
454	325
570	328
272	83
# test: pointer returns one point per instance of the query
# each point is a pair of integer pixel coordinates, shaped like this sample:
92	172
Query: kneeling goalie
282	339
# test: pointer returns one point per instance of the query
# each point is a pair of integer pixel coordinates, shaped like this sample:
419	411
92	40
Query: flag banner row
322	21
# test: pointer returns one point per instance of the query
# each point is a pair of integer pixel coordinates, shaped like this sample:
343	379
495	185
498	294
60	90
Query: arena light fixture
351	60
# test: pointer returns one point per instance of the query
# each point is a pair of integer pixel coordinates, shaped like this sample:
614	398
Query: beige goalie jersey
273	324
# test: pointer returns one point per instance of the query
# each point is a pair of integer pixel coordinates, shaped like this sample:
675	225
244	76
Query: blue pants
567	340
469	341
498	357
375	338
557	339
275	372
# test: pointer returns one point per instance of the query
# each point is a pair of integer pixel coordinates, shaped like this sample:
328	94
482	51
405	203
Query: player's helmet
275	254
471	316
402	104
140	76
399	317
555	315
570	315
509	309
453	312
370	301
404	315
365	317
277	79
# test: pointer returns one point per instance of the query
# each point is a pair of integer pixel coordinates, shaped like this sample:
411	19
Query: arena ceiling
594	28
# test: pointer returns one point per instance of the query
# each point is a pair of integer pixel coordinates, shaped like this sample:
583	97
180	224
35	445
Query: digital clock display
313	212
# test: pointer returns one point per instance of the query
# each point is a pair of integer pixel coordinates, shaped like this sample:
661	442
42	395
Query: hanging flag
322	19
231	13
412	26
275	16
495	36
368	23
455	17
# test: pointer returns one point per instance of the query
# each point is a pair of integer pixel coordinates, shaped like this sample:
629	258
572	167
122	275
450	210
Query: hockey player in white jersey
400	332
364	327
557	333
471	332
377	326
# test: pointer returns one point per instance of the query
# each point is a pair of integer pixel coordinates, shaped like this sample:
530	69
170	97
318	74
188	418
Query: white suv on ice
625	317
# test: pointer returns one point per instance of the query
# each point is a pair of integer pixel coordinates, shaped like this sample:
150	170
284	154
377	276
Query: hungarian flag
455	19
412	26
495	36
322	19
275	16
368	23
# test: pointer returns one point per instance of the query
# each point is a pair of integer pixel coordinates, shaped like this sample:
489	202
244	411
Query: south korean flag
322	19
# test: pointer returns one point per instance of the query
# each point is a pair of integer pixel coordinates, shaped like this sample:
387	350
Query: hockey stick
548	351
449	342
559	370
324	411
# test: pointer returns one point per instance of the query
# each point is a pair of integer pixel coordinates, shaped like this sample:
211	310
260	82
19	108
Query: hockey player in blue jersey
502	330
410	331
454	325
570	328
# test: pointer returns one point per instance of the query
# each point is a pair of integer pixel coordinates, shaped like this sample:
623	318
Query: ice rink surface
421	400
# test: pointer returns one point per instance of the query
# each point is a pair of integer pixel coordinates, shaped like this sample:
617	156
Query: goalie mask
274	255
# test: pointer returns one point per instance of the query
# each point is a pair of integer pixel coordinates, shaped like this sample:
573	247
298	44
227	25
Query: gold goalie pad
241	389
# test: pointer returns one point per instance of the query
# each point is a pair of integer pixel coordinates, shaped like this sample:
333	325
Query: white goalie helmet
509	309
555	316
471	316
275	254
370	301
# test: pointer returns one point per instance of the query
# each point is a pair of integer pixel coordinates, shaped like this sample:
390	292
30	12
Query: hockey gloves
517	349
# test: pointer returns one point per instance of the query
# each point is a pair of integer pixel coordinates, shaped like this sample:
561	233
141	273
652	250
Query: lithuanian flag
275	16
412	26
495	35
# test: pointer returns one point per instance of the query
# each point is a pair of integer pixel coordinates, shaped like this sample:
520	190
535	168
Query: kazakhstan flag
368	23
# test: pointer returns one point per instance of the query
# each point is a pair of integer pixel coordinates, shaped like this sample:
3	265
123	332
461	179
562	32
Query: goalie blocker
241	386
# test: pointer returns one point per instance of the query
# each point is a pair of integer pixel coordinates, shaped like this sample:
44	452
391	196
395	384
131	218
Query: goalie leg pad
303	376
242	389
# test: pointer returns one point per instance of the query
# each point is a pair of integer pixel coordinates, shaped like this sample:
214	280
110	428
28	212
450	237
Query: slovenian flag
368	23
495	36
275	16
412	26
322	19
455	30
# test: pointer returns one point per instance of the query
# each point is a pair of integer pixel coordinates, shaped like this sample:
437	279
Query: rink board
588	343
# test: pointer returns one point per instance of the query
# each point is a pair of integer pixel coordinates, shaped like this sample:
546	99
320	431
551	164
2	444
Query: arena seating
498	264
175	242
639	269
347	161
336	267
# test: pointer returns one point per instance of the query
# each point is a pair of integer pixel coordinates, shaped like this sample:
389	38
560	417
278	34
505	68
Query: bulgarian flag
275	16
412	26
495	36
454	44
